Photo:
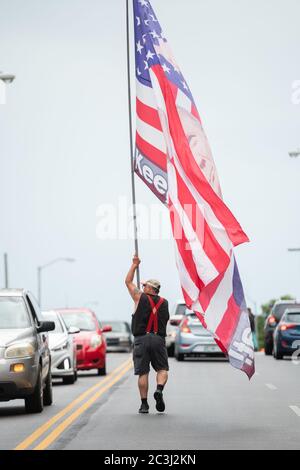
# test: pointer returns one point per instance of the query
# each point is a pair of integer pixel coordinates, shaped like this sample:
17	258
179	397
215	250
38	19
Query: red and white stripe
204	251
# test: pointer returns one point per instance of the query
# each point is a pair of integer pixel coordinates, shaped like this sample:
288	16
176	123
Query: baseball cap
153	283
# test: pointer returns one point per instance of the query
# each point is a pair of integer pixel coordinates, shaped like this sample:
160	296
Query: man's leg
161	380
143	383
162	377
143	386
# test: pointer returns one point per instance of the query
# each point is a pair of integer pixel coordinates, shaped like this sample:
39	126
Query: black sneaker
160	404
144	409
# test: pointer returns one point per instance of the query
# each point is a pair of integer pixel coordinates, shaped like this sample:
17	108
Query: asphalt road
209	405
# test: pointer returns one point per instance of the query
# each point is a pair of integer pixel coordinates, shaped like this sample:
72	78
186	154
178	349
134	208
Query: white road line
296	410
271	387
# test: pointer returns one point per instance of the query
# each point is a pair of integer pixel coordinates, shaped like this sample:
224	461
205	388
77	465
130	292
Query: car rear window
116	326
293	317
180	309
13	313
279	310
83	320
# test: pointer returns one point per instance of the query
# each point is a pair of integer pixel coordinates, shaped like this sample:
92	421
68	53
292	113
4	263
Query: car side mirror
106	329
73	330
46	326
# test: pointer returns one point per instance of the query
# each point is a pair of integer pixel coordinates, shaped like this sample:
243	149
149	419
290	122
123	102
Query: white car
62	349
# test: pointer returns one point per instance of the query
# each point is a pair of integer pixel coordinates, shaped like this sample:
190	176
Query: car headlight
61	346
19	350
96	341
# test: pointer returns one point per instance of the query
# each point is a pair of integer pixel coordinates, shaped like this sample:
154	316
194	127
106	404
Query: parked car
90	342
287	334
272	321
120	337
172	328
193	340
62	348
25	361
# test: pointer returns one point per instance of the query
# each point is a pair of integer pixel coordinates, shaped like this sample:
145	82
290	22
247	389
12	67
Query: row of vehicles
36	347
282	329
186	337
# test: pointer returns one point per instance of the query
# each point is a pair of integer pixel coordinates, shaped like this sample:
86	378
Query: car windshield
53	317
292	317
82	320
13	313
279	309
116	326
180	309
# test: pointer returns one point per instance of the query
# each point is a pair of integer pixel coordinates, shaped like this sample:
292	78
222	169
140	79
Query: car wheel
179	356
48	393
69	379
35	402
102	370
171	351
76	375
268	349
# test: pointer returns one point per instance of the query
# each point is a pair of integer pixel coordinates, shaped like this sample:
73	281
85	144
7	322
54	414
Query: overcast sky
64	145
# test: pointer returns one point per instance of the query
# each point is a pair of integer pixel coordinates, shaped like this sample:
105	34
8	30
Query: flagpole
136	244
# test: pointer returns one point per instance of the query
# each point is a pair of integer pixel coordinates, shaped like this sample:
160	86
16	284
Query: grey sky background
64	146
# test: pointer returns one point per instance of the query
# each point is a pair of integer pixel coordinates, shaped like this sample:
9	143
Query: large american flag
174	159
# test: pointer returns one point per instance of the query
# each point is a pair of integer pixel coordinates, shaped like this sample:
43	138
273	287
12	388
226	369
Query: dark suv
272	321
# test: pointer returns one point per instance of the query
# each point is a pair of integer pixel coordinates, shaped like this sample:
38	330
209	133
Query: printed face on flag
174	159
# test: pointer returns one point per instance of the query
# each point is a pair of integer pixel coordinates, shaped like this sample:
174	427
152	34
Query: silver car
63	349
119	338
25	362
193	340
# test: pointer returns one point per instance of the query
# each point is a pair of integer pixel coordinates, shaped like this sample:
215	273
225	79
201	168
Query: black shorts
149	349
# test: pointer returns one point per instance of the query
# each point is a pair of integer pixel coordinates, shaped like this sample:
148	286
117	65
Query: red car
90	342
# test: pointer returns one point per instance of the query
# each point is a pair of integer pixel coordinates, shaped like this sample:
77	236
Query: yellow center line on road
68	421
42	429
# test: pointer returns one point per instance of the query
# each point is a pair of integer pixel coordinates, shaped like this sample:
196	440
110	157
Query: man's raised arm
132	288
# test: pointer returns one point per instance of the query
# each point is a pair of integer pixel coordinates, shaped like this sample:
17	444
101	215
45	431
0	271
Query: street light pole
39	274
7	78
295	153
6	270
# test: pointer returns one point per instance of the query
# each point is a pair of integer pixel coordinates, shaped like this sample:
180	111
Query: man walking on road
149	323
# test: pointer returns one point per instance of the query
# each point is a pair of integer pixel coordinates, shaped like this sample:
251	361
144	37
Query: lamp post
40	269
295	153
6	78
6	270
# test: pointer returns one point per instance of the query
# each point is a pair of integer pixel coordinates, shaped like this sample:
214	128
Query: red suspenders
153	317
